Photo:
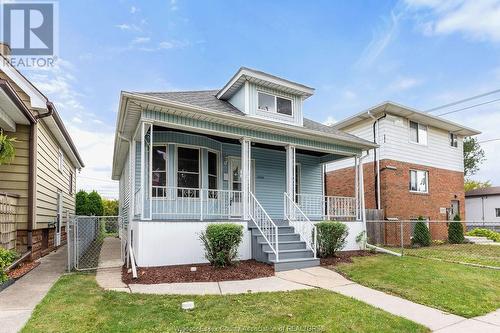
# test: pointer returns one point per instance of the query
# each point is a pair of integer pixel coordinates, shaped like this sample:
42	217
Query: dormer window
275	104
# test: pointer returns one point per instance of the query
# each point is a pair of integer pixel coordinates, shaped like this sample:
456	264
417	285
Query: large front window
159	179
212	171
274	104
188	169
419	181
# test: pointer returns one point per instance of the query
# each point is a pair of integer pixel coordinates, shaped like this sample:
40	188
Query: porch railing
327	207
195	203
301	223
266	226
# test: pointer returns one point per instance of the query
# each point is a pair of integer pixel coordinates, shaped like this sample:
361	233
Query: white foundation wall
177	243
355	228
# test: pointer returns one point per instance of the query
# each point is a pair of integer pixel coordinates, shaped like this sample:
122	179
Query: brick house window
419	181
497	212
70	183
418	133
453	140
60	161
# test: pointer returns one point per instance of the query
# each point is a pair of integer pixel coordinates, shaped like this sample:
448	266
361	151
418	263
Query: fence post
68	241
402	239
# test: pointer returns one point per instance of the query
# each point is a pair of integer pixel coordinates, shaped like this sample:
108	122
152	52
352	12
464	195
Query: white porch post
362	193
356	187
290	175
146	170
143	180
246	165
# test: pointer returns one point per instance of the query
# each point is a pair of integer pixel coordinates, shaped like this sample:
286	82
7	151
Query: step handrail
264	223
301	223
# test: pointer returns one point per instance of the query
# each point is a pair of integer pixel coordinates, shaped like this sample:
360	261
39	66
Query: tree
81	202
456	231
421	234
473	156
95	206
110	207
470	184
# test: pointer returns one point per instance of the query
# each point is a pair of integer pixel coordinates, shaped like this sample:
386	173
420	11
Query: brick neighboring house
37	188
419	163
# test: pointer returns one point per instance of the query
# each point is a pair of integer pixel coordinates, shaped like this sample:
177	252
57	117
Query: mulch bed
344	257
243	270
23	269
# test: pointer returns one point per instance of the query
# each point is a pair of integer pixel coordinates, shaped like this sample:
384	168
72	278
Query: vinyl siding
124	199
395	145
49	179
14	177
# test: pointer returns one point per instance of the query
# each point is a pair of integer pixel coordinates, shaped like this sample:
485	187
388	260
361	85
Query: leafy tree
110	207
470	184
456	231
81	202
421	234
95	206
473	156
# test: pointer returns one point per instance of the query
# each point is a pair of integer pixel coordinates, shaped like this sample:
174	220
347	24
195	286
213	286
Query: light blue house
244	153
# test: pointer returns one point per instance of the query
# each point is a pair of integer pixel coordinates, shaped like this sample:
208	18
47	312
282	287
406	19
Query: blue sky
421	53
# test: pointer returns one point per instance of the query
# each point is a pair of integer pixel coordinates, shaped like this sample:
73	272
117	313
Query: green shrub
481	232
331	237
456	231
421	234
7	257
221	243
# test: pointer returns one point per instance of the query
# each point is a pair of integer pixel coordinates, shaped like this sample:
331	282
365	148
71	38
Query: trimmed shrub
331	237
481	232
456	231
7	257
221	242
421	234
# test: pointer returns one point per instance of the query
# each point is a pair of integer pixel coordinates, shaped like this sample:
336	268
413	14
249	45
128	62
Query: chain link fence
466	242
90	237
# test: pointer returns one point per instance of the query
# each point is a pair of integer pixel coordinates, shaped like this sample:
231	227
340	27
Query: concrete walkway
18	301
109	271
436	320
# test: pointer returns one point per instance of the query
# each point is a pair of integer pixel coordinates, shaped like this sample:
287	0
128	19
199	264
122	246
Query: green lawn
77	304
488	255
464	290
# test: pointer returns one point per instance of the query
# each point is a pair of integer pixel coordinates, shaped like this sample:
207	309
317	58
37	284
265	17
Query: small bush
331	237
7	257
421	234
456	231
481	232
221	242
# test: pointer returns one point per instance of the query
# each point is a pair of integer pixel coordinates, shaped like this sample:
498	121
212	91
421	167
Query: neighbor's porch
189	176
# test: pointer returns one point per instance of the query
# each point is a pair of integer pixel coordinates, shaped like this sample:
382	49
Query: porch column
246	165
290	171
362	193
356	187
146	170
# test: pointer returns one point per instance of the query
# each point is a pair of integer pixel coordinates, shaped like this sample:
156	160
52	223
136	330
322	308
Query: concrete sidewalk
18	301
109	271
436	320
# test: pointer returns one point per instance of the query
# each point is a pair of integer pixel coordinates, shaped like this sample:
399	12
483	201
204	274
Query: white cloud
329	121
173	5
133	10
404	83
128	27
141	40
476	20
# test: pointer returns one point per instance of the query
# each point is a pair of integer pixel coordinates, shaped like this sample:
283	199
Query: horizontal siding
50	180
14	177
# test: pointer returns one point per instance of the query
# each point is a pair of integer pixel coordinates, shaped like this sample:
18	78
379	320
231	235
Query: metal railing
266	226
475	243
301	223
8	228
195	203
327	207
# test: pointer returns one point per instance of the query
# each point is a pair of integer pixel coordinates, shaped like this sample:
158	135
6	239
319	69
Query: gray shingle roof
494	190
207	99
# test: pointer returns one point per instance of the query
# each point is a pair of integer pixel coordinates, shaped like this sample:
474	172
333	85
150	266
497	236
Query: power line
464	100
470	107
490	140
100	179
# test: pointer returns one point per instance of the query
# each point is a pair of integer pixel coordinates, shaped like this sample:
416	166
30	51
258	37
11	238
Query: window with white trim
212	171
419	181
453	140
188	171
159	179
60	163
275	104
418	133
497	212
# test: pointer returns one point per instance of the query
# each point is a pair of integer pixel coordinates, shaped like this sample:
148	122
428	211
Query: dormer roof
264	80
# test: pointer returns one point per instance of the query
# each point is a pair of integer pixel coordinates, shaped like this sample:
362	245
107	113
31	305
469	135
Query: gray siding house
244	153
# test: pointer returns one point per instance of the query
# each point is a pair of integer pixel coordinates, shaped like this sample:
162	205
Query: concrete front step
289	264
290	245
290	254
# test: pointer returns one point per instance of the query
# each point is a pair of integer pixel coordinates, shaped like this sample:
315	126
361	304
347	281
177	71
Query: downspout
376	157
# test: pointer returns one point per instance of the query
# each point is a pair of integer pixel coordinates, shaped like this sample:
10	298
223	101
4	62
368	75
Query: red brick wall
37	250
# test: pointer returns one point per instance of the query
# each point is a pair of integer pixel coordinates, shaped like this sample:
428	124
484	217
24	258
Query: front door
236	206
454	209
59	218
